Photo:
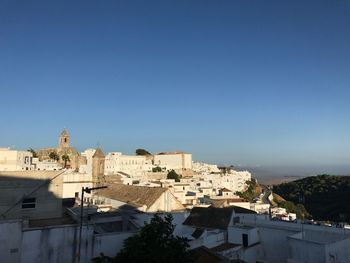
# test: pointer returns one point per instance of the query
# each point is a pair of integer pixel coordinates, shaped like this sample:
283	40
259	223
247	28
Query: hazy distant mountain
278	174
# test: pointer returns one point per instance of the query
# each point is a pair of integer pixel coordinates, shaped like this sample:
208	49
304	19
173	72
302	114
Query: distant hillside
325	197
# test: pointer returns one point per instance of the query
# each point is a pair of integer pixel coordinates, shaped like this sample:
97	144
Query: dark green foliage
173	175
142	152
35	155
66	159
325	197
155	243
251	193
54	156
156	169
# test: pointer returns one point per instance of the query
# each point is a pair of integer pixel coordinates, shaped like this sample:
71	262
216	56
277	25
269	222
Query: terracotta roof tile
133	195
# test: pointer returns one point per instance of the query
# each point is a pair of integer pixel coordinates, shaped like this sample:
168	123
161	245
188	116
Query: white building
46	165
173	160
133	165
205	168
87	166
73	182
233	181
142	198
12	160
30	194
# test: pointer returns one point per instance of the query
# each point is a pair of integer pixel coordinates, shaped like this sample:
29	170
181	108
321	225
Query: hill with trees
253	191
325	197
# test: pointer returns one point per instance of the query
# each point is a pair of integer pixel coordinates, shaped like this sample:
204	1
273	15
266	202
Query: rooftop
39	175
205	255
211	217
65	220
224	246
320	237
133	195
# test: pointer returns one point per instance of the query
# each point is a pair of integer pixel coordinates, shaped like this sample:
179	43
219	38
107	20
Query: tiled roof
218	203
241	210
64	132
224	246
210	217
205	255
98	153
133	195
38	175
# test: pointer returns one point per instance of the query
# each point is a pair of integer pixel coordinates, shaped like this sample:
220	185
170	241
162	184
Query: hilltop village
47	195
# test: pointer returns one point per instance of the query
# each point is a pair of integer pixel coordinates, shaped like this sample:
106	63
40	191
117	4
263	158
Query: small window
28	203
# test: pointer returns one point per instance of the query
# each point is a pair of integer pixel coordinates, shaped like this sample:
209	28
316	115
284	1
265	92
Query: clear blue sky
236	82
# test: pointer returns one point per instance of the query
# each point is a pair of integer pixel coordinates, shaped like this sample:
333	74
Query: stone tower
98	168
64	140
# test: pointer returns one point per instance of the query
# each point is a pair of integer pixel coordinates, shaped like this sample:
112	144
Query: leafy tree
253	191
142	152
156	169
31	150
66	159
155	243
173	175
54	156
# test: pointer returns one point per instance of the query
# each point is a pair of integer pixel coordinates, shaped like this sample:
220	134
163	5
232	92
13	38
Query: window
28	203
245	240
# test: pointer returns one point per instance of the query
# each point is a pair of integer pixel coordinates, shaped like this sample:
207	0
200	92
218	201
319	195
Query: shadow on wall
30	194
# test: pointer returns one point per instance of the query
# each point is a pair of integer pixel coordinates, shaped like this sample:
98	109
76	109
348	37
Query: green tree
173	175
155	243
66	159
31	150
253	191
156	169
54	156
142	152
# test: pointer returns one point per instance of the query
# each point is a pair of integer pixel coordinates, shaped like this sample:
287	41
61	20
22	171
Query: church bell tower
64	140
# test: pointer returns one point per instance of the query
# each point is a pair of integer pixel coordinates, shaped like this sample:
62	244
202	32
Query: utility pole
87	190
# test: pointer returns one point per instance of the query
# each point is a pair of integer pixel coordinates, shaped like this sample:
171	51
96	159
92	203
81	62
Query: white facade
286	242
133	165
46	165
55	243
173	161
87	168
73	183
12	160
233	181
205	168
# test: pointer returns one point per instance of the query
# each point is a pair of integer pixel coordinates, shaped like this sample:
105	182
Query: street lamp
87	190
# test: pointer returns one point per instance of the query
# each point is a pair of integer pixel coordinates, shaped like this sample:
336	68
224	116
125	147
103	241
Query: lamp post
87	190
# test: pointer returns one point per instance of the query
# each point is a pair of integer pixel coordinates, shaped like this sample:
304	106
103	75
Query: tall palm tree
66	159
